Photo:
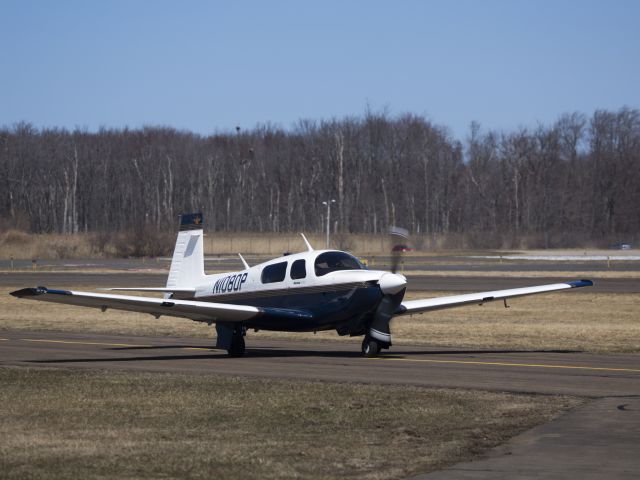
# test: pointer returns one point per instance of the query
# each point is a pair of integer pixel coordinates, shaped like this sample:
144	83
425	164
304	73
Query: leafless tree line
567	184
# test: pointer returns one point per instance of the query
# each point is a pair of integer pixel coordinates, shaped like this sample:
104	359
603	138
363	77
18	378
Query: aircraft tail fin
187	264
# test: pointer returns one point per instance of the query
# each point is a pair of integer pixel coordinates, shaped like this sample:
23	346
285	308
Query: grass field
22	245
57	423
593	322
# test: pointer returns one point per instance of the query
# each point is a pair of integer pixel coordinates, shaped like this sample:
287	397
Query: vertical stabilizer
187	265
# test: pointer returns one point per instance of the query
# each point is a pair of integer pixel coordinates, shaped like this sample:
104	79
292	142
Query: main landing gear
371	347
230	338
237	344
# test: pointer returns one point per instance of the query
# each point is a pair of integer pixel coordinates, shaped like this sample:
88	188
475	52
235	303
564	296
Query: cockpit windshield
332	261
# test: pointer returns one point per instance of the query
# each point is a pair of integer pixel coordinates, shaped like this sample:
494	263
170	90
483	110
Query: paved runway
548	372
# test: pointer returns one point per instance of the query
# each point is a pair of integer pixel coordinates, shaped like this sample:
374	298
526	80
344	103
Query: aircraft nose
391	283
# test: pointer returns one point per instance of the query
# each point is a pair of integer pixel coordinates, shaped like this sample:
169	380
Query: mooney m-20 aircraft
309	291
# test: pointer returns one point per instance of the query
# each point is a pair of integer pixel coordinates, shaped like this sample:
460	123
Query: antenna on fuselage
246	265
307	242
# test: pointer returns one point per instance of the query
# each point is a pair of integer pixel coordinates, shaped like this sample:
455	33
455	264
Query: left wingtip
29	292
580	283
33	292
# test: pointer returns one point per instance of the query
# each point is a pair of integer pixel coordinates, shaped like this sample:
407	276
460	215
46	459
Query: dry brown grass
21	245
20	314
593	322
95	424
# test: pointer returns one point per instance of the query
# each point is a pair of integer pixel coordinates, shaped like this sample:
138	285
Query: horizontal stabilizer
191	221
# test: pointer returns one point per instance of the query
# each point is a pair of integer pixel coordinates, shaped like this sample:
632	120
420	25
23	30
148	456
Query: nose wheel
370	347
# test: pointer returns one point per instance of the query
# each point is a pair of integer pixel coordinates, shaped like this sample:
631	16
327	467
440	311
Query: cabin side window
274	273
298	270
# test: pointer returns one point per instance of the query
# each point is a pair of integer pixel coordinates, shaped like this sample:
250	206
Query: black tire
237	346
370	347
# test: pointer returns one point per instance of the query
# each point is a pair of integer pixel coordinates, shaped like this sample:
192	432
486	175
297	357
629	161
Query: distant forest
573	183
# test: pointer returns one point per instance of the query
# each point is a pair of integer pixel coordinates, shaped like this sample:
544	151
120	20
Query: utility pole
328	204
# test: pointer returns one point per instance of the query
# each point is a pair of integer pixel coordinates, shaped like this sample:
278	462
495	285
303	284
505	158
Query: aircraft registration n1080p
304	292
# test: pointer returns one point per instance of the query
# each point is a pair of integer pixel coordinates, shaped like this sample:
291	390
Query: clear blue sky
208	66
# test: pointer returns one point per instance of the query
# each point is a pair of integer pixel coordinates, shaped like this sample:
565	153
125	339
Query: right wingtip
581	283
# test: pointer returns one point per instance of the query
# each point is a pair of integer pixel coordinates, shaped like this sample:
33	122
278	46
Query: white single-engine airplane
310	291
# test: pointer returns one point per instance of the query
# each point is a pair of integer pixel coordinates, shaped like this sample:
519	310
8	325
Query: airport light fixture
328	204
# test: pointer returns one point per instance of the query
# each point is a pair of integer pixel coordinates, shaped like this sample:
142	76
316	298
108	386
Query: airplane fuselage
337	297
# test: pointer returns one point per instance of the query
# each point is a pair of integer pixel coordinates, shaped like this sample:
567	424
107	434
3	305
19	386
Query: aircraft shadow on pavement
161	347
218	355
252	352
213	354
480	352
277	351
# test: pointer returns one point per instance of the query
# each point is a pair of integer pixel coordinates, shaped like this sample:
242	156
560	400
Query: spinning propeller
399	238
393	287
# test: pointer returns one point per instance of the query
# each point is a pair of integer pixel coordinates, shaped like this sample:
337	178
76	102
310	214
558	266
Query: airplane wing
194	310
177	293
410	307
184	291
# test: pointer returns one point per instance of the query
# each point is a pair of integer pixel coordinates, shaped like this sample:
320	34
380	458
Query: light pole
328	204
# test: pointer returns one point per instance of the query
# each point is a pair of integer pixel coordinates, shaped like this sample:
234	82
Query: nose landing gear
370	347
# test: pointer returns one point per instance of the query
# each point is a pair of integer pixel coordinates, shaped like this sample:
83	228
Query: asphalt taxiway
596	441
547	372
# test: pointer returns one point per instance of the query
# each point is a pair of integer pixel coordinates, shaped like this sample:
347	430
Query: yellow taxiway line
508	364
388	359
78	342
